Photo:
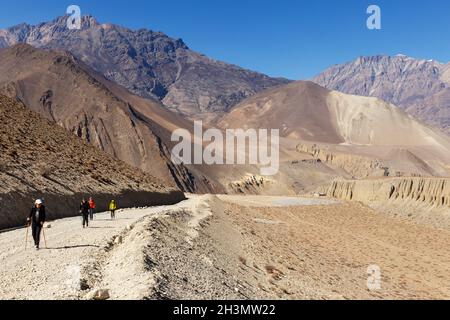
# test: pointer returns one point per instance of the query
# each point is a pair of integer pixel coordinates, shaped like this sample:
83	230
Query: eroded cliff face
250	184
354	165
431	192
362	162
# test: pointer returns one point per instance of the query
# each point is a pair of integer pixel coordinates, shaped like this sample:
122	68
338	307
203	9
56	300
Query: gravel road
49	272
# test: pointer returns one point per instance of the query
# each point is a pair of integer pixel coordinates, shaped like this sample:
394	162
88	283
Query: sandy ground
324	252
231	247
268	201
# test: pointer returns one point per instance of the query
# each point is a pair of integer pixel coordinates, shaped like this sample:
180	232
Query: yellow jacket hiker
113	208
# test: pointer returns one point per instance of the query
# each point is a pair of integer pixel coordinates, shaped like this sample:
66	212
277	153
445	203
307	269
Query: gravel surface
209	247
51	272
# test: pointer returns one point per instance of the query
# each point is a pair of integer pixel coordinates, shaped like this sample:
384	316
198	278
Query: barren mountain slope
64	90
147	63
40	159
419	86
306	111
345	124
434	109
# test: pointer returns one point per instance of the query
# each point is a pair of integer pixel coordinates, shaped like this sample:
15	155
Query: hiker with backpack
37	219
84	211
113	208
91	208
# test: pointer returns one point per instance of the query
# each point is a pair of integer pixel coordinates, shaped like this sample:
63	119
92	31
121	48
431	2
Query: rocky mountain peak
422	87
148	63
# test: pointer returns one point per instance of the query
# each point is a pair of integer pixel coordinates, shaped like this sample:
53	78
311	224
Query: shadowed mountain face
420	87
64	90
149	64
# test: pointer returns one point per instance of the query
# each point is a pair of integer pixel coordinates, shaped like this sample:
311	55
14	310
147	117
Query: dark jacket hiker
37	219
84	210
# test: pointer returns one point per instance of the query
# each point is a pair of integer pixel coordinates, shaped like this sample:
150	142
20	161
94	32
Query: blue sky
291	38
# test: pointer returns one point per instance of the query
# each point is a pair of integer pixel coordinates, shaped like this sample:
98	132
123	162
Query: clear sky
291	38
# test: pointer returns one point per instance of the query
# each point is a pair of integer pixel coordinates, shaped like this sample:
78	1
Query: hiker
91	208
84	210
37	220
113	208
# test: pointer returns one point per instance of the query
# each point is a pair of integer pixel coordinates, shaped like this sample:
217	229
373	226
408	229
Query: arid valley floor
232	247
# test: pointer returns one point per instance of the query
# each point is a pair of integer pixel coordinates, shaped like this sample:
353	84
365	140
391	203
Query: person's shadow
73	247
102	228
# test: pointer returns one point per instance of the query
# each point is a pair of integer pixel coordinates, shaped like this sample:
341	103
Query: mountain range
153	65
126	91
149	64
421	87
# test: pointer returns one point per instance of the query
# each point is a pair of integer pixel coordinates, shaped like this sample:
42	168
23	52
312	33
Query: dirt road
231	247
49	272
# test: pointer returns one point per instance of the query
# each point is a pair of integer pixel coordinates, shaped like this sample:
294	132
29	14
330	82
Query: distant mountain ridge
421	87
148	63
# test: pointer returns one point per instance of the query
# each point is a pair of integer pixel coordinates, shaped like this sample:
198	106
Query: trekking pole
45	239
26	237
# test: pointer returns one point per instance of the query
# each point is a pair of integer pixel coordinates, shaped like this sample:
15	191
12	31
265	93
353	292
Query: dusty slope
349	125
40	159
64	90
148	63
419	86
218	248
309	112
299	110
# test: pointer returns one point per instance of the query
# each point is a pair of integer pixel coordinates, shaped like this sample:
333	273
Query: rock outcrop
431	192
391	162
355	165
250	184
